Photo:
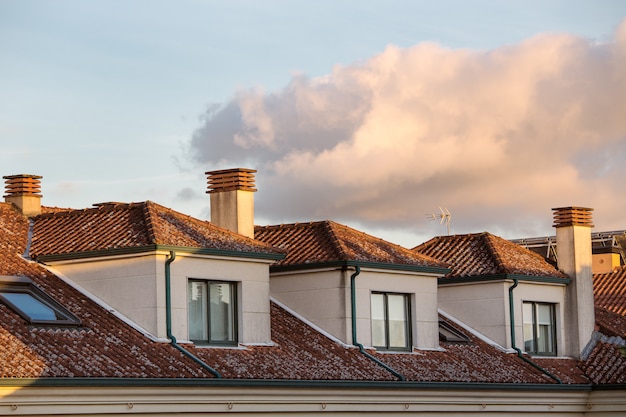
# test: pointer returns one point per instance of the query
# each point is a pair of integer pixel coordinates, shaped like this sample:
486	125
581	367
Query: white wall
320	296
423	294
253	293
324	298
485	307
135	286
541	293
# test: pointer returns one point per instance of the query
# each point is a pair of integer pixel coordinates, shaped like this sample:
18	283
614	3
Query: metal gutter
373	265
518	350
289	383
168	318
354	338
503	277
156	247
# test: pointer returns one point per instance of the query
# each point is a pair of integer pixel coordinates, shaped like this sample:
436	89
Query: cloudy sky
373	114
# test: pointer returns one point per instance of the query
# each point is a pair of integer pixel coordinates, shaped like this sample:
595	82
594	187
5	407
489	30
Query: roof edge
362	264
502	277
288	383
157	247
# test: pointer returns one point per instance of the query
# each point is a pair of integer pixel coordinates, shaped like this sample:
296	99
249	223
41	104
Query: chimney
23	191
232	199
573	245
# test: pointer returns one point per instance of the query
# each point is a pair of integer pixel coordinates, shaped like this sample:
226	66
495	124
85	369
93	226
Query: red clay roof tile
482	254
610	290
327	241
119	225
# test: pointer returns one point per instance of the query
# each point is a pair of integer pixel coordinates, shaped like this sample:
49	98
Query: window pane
539	328
31	306
529	337
378	320
221	312
197	310
545	342
397	320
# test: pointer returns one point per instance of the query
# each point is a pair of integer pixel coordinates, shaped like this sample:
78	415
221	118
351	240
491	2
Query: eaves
362	264
503	277
153	248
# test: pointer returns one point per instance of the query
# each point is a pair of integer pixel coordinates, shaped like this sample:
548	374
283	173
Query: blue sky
109	101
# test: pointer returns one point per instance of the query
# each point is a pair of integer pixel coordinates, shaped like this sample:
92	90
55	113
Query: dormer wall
485	306
135	287
323	296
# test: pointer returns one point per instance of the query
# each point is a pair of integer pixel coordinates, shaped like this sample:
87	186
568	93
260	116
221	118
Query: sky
374	114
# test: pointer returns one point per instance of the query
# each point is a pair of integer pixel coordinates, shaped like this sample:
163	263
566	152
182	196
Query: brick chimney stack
24	192
574	257
232	199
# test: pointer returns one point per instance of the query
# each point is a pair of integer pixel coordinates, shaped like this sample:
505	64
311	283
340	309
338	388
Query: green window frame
212	312
390	319
539	328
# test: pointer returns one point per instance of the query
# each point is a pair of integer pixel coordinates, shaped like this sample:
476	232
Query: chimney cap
22	185
572	216
231	180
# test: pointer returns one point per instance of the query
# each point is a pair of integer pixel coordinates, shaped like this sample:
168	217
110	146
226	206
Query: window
212	312
450	334
539	328
32	304
390	321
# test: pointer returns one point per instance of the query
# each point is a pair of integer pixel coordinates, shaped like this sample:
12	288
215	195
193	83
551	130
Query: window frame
407	322
24	285
234	313
535	328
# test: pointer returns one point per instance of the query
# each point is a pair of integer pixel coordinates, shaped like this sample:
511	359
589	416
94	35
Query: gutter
354	338
82	382
518	350
168	318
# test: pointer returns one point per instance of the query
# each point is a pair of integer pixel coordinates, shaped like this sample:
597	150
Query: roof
105	346
610	290
102	346
114	226
484	254
301	353
321	242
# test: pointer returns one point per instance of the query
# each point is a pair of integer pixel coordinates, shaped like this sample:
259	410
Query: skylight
34	305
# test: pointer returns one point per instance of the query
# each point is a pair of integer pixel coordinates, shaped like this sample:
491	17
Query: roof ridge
341	246
148	212
493	250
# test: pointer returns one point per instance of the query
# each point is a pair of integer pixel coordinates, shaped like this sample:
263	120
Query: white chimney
574	257
23	191
232	199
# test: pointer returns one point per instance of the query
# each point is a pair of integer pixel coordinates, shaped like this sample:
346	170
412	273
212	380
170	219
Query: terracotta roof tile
475	361
610	323
606	364
119	225
483	254
610	290
327	241
300	352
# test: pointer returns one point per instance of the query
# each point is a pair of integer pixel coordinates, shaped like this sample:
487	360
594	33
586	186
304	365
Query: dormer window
539	328
390	321
32	304
212	312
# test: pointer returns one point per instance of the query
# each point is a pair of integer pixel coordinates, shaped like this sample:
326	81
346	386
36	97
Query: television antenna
444	217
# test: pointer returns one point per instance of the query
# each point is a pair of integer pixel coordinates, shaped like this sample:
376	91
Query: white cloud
511	132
